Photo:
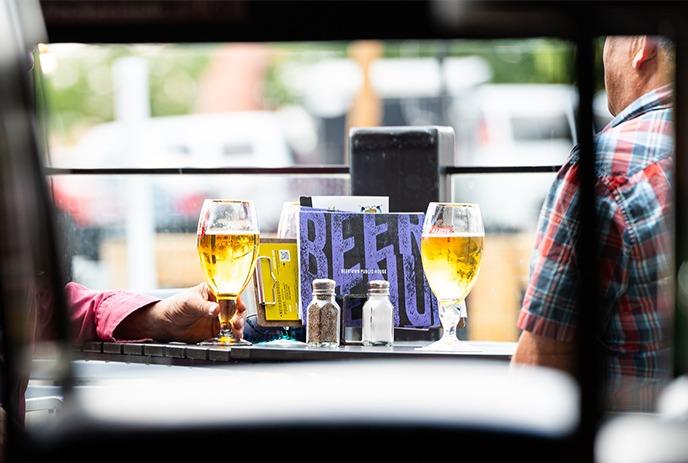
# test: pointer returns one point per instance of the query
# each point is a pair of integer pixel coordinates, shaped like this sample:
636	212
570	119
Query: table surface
191	354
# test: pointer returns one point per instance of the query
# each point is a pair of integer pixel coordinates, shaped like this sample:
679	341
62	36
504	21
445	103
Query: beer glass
451	249
288	226
227	241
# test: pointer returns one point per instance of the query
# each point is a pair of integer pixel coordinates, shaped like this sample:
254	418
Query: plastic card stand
276	282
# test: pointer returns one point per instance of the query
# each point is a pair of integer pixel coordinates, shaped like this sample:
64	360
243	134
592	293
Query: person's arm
189	316
96	314
549	313
540	350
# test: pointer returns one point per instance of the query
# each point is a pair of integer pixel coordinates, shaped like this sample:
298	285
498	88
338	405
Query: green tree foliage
542	61
75	88
74	82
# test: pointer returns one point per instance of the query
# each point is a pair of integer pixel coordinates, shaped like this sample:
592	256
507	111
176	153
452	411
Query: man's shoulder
633	145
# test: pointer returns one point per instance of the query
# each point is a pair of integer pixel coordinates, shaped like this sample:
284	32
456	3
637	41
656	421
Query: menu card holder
354	248
276	284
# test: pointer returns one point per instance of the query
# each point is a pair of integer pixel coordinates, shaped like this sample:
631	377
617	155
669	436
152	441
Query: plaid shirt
633	198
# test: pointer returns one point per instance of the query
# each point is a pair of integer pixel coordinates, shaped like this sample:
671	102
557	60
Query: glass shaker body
323	316
378	315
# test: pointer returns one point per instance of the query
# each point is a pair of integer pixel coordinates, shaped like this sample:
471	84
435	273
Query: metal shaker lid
323	286
378	287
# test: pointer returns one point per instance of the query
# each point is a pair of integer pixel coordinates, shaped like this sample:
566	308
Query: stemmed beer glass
451	250
227	241
288	226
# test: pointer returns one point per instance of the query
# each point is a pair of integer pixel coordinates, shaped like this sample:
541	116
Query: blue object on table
255	334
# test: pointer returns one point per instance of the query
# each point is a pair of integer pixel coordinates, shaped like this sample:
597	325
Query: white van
242	139
511	125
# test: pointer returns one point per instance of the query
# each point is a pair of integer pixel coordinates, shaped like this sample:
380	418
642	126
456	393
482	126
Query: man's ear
645	49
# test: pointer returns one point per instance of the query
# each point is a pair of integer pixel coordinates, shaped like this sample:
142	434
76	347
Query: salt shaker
324	315
378	315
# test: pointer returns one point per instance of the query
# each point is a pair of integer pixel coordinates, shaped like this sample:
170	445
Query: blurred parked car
248	139
512	125
411	91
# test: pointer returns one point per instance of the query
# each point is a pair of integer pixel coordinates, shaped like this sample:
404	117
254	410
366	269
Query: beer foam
454	235
231	232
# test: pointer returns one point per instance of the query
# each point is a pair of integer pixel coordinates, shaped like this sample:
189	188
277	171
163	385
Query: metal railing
336	169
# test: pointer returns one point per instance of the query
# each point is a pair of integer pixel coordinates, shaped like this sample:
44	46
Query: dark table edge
193	355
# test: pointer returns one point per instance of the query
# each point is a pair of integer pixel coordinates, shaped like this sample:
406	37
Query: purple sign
353	248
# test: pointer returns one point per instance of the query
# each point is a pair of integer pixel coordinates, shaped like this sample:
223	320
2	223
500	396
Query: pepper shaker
324	315
378	315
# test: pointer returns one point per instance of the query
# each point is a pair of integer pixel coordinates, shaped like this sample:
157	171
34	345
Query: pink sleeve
96	314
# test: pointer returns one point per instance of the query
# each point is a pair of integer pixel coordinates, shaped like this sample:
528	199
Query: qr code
284	255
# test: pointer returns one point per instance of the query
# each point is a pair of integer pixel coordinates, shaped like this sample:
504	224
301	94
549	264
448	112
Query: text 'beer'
228	260
451	264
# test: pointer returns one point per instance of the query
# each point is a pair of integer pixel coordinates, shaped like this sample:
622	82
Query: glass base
325	345
224	341
450	344
282	342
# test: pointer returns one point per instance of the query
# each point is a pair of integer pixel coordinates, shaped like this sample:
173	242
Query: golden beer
228	260
451	264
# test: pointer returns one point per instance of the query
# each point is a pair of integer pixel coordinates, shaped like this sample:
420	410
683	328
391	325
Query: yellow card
277	284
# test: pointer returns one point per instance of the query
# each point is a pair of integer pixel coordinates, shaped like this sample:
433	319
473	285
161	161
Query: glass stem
227	309
450	315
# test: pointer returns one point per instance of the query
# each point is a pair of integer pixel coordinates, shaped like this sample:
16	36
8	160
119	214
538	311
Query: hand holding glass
228	240
451	250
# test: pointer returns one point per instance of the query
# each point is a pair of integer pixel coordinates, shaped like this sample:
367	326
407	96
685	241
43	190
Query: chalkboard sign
404	163
353	248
